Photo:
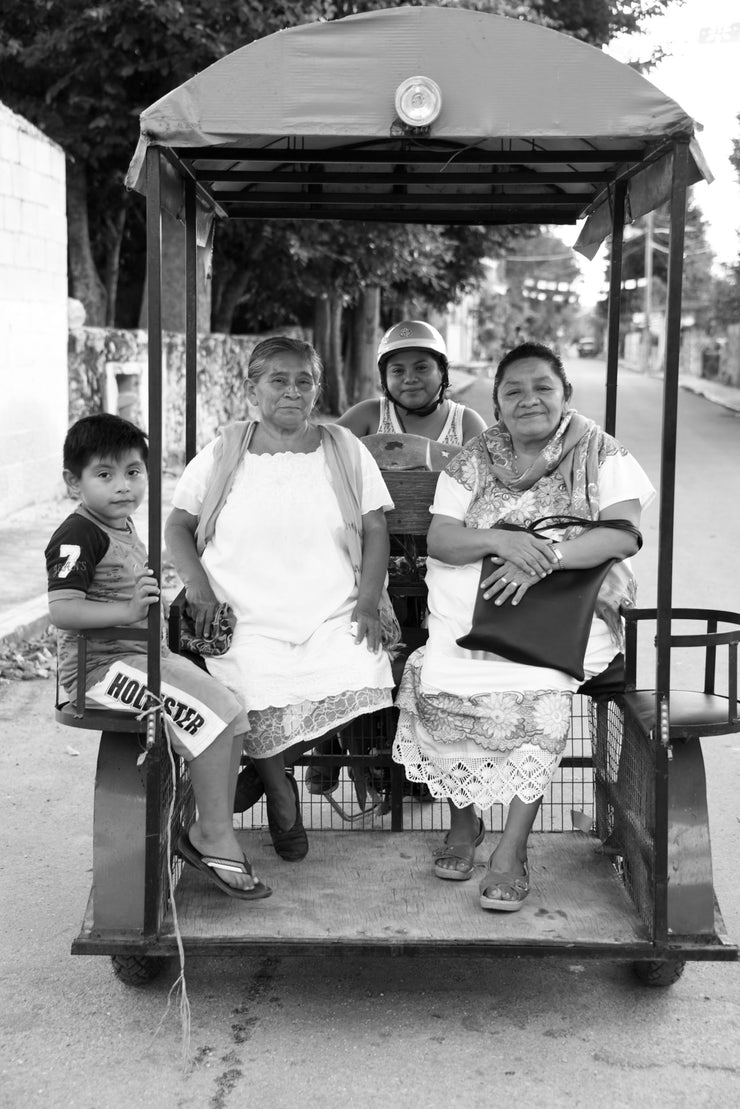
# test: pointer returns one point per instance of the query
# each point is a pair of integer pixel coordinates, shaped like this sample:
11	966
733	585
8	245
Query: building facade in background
33	313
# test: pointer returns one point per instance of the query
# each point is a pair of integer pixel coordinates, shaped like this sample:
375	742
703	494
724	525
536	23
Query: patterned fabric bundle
218	642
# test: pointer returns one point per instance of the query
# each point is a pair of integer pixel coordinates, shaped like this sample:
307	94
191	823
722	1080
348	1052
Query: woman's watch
558	555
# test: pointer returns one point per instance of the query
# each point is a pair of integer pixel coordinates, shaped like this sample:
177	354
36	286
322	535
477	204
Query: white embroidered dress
279	557
476	728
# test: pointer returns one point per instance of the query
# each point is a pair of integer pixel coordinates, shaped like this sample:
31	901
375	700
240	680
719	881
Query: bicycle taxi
302	125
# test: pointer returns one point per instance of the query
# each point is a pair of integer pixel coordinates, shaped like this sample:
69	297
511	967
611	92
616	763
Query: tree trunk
173	281
321	339
84	280
366	325
230	293
321	326
114	235
348	362
335	391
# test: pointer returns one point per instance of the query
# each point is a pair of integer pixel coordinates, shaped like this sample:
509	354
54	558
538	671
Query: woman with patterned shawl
476	728
283	519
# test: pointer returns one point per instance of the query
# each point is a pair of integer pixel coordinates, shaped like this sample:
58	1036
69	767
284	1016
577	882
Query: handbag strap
546	522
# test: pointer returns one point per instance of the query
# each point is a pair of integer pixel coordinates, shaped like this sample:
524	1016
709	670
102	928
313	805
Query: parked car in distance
587	347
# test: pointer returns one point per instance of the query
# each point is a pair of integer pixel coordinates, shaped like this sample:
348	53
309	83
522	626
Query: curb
723	395
716	392
27	621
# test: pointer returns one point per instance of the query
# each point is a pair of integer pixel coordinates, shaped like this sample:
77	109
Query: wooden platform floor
377	889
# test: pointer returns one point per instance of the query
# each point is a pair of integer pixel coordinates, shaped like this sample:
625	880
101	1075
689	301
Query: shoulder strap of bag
546	522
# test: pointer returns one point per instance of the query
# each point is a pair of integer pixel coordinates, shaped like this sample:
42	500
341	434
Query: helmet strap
425	411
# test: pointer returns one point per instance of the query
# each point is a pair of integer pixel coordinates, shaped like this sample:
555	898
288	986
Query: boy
98	578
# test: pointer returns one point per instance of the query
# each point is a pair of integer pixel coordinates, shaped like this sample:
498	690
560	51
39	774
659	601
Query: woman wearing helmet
412	360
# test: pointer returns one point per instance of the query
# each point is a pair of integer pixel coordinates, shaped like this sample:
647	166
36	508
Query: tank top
451	433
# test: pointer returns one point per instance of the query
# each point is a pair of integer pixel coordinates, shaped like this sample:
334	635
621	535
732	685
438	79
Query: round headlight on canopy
418	101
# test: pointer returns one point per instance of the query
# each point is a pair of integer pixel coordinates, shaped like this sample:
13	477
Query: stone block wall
33	313
108	373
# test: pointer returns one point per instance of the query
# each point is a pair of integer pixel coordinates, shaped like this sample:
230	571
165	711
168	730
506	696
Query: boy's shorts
197	706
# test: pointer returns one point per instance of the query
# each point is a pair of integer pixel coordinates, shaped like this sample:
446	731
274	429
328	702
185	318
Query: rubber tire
136	970
657	973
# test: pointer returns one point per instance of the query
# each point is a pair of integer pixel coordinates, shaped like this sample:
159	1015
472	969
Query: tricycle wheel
136	970
658	972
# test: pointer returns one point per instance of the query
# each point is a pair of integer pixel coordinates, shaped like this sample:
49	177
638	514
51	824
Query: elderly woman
284	521
479	729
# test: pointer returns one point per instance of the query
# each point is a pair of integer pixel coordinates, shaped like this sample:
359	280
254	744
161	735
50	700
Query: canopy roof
535	126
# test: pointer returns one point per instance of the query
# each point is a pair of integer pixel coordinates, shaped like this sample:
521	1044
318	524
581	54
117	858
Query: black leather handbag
551	624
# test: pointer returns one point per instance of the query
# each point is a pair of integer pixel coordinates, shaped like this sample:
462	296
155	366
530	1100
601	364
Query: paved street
305	1031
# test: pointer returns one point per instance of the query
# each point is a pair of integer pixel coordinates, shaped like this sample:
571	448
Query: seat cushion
691	713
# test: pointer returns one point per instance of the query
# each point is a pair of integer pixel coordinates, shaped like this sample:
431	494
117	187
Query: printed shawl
575	451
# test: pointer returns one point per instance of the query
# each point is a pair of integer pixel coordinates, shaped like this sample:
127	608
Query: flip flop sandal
461	852
516	884
206	864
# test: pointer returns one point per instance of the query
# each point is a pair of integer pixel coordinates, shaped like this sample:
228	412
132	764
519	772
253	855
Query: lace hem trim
274	729
525	774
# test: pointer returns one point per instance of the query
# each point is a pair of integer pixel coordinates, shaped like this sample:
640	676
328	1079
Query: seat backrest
412	492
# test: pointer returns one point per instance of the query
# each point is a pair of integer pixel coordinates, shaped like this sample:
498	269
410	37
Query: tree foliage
698	258
83	71
532	296
727	287
599	21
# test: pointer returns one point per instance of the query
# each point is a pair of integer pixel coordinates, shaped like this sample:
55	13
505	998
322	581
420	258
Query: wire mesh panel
569	803
625	776
350	782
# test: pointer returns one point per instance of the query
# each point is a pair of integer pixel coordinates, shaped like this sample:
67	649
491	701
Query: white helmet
411	335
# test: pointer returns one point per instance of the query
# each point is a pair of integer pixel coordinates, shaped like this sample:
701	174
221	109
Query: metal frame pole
679	187
670	415
614	304
154	305
191	317
152	875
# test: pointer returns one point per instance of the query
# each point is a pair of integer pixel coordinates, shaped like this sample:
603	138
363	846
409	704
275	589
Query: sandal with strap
516	885
461	852
293	844
208	864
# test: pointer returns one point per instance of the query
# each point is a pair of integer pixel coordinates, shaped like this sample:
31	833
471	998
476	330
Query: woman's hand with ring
506	583
530	555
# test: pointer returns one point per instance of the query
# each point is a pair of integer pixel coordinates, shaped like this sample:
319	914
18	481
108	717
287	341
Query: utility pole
648	302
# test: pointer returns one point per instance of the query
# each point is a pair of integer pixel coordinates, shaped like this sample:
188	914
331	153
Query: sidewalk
727	396
23	610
